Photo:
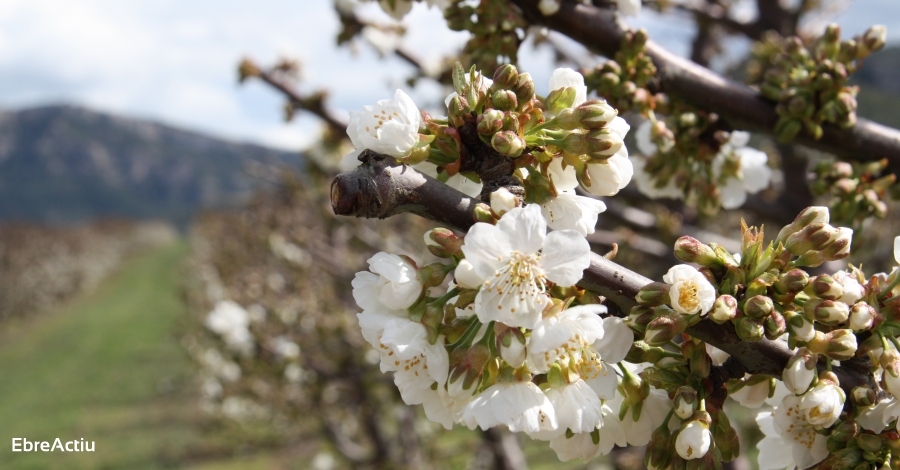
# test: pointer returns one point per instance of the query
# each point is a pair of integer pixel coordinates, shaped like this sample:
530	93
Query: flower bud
808	216
874	39
791	282
822	405
465	275
813	237
724	309
758	306
799	327
863	396
504	100
443	243
664	328
603	143
483	213
845	430
524	90
685	402
511	343
560	99
691	250
840	248
693	440
749	329
775	325
839	345
890	361
457	109
592	114
825	287
506	77
639	317
862	316
653	294
508	143
490	122
828	312
503	201
800	371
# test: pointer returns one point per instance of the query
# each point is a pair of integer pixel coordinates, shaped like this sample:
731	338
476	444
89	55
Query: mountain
62	164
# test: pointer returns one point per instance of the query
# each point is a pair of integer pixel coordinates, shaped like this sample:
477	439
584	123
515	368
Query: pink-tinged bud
508	143
653	294
443	243
749	329
603	143
800	371
758	306
685	402
813	237
724	309
839	345
691	250
791	282
775	325
664	328
863	396
524	89
825	287
504	100
827	312
490	122
862	316
503	201
506	77
808	216
483	213
457	110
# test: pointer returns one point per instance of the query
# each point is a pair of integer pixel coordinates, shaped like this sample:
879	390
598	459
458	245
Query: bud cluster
493	27
858	189
810	81
623	79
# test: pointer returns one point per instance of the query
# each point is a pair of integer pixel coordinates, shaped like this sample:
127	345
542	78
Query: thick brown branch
600	31
377	189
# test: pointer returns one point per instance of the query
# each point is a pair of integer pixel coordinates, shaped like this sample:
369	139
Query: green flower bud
873	40
653	294
691	250
482	213
863	396
845	430
724	309
664	328
490	122
508	143
685	402
827	312
775	325
839	345
443	243
813	237
504	100
560	99
749	329
791	282
592	114
506	78
457	110
758	306
524	90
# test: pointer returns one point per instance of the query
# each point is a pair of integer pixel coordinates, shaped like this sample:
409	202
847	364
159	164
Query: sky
175	61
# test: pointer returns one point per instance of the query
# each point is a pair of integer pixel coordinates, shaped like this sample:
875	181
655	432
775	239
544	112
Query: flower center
688	295
380	117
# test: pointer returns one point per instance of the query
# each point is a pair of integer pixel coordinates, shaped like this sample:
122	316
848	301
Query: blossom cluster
512	341
824	319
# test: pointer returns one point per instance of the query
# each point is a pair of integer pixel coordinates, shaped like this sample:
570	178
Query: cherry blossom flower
577	408
690	292
822	405
608	178
790	441
752	396
515	260
871	418
852	290
390	126
753	174
230	321
569	211
520	406
391	284
646	183
582	445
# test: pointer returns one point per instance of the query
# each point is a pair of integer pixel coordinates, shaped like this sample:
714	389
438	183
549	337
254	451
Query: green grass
108	368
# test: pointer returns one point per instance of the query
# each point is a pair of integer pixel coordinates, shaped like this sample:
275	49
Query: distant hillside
63	164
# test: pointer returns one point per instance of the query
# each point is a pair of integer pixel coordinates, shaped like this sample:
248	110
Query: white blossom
390	283
390	126
653	413
514	354
822	405
582	445
566	77
753	174
569	211
852	290
892	413
790	440
610	177
520	406
465	275
515	259
797	378
577	407
230	321
693	441
417	364
646	183
871	418
690	292
502	201
752	396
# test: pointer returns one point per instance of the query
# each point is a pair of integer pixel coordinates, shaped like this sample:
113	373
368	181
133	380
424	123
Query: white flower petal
565	257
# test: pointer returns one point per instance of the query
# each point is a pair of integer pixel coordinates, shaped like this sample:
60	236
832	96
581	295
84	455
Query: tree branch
377	189
600	31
